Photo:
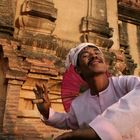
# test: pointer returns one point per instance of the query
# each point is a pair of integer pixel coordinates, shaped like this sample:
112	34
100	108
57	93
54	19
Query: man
90	116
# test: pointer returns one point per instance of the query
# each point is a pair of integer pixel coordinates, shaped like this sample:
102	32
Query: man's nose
93	56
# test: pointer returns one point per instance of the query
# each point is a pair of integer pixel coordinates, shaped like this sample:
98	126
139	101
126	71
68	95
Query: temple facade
35	37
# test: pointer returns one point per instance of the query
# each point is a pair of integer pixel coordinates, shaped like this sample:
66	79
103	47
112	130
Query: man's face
91	61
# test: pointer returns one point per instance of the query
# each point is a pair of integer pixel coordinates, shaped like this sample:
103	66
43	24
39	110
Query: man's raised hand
42	100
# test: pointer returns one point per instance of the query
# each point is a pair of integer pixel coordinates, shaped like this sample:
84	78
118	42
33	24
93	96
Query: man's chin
97	72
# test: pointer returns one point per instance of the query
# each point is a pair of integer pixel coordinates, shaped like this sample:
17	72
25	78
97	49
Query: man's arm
121	116
79	134
61	120
48	115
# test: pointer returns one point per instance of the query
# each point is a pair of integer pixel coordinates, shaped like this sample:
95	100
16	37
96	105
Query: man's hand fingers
40	90
45	89
36	93
45	95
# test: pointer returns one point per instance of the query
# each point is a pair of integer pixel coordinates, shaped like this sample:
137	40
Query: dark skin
92	68
79	134
41	92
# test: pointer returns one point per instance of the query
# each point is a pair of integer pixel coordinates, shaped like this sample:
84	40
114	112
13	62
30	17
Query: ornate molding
97	39
96	31
129	11
90	24
36	17
44	9
134	4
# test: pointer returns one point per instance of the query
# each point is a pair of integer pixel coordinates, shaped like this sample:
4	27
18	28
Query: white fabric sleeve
105	129
123	116
61	120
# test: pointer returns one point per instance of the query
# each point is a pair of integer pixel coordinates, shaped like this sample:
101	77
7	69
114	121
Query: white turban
73	54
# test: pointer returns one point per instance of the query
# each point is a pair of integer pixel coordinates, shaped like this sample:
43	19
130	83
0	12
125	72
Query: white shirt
111	124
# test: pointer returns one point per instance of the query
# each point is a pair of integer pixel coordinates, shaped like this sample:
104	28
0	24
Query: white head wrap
73	54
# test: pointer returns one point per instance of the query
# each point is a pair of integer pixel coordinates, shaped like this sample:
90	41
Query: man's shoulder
124	77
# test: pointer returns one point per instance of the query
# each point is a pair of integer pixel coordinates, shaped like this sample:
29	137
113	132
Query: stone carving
36	17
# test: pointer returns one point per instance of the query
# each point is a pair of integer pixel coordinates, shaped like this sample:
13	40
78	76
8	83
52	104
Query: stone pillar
94	26
11	107
7	14
128	13
112	18
97	10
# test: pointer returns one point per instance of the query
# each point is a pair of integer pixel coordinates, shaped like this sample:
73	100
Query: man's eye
97	52
85	55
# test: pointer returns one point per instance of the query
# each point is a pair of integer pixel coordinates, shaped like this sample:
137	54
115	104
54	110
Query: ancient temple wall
44	30
69	18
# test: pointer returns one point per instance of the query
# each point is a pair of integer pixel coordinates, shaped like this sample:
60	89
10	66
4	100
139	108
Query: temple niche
35	37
